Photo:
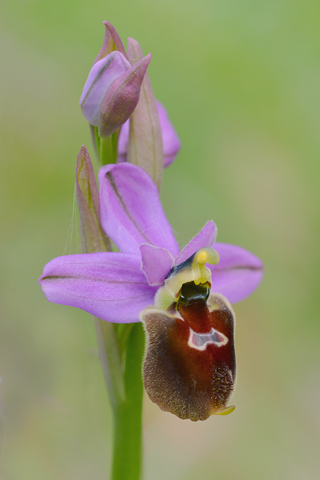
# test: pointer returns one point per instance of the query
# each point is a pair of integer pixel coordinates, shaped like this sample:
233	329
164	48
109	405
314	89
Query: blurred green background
240	80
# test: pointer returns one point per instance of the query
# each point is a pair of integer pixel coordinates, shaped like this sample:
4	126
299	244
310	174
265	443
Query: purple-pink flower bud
122	97
102	75
112	91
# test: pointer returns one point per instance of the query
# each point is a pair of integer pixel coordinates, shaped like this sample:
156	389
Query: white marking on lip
199	341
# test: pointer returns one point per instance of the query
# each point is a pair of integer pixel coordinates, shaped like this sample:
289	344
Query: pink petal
109	285
131	211
156	263
205	238
238	273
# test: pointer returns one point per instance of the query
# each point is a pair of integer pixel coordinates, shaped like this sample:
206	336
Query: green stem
106	150
127	453
109	148
120	346
95	140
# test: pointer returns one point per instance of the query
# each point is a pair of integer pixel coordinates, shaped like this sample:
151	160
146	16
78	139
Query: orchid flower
179	295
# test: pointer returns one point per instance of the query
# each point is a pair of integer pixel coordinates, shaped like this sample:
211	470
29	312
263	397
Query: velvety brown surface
183	380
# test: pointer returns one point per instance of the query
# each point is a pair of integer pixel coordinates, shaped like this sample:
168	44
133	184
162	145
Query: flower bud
112	89
122	97
102	75
145	141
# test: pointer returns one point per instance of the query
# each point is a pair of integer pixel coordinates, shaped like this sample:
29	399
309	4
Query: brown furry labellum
189	367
